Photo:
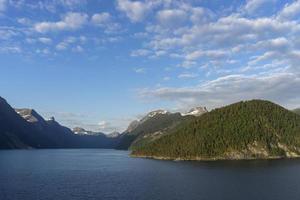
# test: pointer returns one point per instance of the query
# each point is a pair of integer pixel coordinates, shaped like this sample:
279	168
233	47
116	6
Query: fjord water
84	174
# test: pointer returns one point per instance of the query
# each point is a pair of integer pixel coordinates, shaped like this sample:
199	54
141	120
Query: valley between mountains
255	129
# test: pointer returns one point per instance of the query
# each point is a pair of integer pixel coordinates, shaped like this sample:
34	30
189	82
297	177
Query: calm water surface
109	174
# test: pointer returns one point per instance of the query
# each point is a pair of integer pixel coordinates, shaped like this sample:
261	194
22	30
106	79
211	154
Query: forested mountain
297	111
25	128
244	130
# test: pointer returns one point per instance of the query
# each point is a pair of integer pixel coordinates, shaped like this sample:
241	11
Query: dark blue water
109	174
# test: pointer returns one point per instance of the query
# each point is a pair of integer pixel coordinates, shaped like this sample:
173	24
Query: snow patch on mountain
197	111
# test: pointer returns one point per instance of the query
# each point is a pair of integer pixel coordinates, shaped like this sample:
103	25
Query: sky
100	64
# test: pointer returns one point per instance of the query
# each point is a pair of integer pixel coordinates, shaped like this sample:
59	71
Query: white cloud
24	21
253	5
140	70
201	15
103	124
140	52
290	10
171	17
7	33
101	18
111	125
278	87
212	54
187	75
61	46
214	41
136	11
72	3
280	44
105	20
50	6
45	40
69	41
10	49
78	49
227	32
71	21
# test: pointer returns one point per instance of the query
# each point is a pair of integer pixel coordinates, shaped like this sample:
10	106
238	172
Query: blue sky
100	64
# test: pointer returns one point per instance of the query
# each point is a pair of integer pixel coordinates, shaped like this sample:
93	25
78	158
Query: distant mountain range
82	131
25	128
244	130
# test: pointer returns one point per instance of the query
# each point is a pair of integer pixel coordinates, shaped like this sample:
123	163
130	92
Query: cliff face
16	132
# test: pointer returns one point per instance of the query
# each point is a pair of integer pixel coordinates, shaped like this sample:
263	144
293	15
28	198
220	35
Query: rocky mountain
16	132
153	114
29	115
132	126
149	128
114	134
82	131
25	128
245	130
196	111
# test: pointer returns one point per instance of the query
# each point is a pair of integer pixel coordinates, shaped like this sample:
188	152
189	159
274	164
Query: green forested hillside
244	130
297	111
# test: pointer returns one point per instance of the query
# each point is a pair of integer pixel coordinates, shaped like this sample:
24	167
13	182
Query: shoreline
213	159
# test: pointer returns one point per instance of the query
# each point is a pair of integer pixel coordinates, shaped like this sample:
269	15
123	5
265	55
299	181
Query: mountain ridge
25	128
152	126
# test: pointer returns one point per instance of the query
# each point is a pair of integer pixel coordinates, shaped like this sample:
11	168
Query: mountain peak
113	134
197	111
80	131
157	112
2	100
153	114
29	115
51	119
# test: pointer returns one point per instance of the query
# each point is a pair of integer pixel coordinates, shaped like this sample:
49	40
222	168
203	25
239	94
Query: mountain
114	134
16	132
244	130
196	111
29	115
82	131
297	111
149	128
25	128
90	139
